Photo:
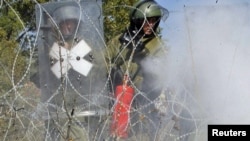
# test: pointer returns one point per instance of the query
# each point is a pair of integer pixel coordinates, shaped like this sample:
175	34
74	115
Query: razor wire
20	104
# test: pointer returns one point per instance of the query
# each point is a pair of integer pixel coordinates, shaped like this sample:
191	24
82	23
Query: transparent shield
71	62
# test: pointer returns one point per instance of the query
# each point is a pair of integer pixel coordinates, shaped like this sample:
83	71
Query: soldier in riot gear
126	53
145	17
72	80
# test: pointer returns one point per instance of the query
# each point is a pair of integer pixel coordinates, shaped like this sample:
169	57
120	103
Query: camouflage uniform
126	54
142	83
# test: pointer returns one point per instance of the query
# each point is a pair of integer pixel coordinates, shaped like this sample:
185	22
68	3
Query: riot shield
71	62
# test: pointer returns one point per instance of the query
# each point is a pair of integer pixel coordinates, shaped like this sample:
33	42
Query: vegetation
15	18
116	16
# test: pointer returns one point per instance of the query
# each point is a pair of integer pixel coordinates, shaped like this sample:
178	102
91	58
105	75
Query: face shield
164	13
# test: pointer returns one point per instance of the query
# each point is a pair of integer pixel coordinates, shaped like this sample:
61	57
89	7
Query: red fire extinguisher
120	118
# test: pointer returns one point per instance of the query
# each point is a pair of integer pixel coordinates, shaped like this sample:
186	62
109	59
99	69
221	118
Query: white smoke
208	62
210	48
218	42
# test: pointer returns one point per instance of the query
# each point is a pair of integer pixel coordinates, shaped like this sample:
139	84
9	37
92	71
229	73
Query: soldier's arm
111	51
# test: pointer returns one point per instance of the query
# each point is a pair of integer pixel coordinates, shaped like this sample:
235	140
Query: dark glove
131	42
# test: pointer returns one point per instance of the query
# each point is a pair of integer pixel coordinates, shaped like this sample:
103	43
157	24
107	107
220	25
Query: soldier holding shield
72	81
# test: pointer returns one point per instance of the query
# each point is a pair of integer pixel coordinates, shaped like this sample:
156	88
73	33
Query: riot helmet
67	19
142	11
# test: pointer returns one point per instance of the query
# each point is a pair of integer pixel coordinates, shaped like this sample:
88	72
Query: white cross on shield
70	59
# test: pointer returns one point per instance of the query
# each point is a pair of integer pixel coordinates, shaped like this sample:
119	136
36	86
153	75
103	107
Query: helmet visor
68	27
164	13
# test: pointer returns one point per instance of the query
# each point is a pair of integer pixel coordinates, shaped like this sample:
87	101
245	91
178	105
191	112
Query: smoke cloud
207	65
218	42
